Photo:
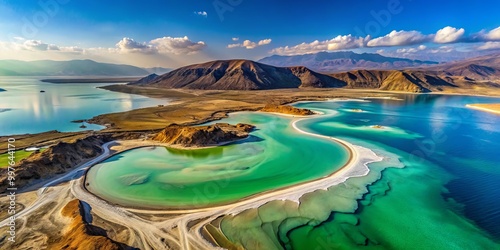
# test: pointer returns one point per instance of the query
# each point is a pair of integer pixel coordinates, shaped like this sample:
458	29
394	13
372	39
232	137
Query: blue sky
172	33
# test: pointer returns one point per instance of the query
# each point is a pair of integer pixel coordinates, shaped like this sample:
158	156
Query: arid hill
478	68
201	136
476	73
55	160
80	234
394	80
239	75
286	109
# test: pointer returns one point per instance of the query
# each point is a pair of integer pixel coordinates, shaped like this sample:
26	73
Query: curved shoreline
354	167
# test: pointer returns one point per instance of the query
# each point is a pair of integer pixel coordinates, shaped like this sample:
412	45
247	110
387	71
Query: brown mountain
240	75
475	73
394	80
478	68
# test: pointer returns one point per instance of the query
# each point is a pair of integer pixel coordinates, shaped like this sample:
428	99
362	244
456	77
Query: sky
174	33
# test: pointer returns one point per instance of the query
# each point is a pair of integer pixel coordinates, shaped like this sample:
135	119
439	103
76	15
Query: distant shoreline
92	80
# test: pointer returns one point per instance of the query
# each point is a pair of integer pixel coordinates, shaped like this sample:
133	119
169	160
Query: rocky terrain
478	73
55	160
202	136
239	75
286	109
80	234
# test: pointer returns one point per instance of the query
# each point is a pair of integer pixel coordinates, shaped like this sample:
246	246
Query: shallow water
24	109
446	196
275	156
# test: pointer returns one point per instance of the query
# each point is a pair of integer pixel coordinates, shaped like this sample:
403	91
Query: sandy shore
356	166
491	107
180	229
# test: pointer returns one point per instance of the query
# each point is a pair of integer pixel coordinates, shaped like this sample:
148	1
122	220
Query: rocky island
286	109
203	136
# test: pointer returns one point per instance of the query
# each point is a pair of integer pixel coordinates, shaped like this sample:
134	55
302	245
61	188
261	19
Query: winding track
172	232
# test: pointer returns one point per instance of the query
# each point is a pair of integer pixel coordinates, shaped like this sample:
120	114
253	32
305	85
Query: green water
275	156
438	187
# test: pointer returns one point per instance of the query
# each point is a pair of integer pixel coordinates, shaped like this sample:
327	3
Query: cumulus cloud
493	35
489	46
177	45
201	13
129	45
448	35
336	43
163	45
398	38
443	49
235	38
411	50
37	45
249	44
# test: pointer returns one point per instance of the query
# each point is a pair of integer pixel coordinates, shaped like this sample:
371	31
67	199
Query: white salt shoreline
357	166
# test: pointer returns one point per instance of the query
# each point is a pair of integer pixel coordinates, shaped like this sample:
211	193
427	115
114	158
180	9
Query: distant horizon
201	62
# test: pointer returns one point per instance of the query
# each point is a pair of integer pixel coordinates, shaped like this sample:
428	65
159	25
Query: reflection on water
33	111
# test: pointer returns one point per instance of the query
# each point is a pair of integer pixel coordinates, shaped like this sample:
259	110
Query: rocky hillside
239	75
478	73
55	160
80	234
479	68
394	80
201	136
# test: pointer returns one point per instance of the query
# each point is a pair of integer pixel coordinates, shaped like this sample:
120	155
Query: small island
202	136
286	109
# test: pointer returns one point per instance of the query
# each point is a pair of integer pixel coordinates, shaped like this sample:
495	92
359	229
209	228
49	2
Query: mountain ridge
340	61
83	67
241	74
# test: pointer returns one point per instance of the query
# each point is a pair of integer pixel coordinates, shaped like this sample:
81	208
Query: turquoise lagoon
24	109
275	156
438	187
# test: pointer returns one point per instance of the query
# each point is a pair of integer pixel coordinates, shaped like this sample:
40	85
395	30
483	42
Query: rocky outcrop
80	234
55	160
286	109
201	136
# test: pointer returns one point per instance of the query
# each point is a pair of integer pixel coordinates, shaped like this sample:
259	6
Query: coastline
355	166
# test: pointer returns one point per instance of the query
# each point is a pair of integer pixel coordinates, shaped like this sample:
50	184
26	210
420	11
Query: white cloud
443	49
129	45
37	45
249	44
337	43
177	45
489	46
72	49
493	35
201	13
448	35
411	50
235	39
398	38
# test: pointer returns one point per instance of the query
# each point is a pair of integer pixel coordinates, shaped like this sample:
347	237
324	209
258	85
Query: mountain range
72	68
480	72
330	62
